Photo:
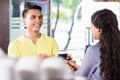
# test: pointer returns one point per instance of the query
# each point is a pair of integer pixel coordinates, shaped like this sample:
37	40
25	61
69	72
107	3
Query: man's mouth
37	25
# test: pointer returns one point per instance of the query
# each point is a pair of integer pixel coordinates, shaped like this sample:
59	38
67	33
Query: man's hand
43	56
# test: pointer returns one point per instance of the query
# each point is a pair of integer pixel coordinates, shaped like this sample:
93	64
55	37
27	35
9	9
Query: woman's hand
73	66
69	57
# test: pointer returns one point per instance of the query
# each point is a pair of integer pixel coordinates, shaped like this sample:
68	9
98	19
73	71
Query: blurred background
68	21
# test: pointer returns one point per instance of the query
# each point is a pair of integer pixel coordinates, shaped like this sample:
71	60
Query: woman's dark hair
106	20
30	7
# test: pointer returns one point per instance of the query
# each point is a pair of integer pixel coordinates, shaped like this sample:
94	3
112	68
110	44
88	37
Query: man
33	43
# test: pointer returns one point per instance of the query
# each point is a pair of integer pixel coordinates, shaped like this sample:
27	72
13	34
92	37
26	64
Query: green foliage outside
67	4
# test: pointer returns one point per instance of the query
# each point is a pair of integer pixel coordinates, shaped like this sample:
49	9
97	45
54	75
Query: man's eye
32	17
41	17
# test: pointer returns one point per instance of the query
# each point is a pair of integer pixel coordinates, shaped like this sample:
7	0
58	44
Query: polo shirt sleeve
13	50
55	48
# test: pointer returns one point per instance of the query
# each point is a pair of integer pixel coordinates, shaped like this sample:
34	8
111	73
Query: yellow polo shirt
23	46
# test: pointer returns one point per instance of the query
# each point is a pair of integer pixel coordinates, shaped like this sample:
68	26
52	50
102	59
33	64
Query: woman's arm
86	64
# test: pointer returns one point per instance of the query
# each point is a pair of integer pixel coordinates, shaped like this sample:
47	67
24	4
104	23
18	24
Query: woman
102	61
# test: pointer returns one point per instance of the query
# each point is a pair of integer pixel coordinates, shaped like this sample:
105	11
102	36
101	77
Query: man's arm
55	48
12	50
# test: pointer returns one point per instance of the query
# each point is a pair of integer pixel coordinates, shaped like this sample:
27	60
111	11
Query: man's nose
37	19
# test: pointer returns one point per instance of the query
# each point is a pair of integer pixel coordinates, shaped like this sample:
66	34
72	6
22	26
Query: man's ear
24	21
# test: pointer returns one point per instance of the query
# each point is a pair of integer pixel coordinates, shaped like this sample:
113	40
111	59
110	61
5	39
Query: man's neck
33	36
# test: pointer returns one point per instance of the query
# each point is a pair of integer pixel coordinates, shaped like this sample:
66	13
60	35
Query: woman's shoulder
94	46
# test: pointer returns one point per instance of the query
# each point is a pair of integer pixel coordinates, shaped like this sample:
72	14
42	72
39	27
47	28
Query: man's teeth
36	25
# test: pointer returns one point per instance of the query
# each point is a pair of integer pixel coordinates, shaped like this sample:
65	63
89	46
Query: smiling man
33	43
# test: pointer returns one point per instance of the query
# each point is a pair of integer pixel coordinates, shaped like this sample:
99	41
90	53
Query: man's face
33	20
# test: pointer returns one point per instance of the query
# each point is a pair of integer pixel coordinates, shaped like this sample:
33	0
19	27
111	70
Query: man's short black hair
30	7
